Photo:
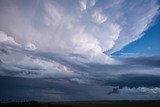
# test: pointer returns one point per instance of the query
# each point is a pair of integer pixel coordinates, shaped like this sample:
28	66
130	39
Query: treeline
84	104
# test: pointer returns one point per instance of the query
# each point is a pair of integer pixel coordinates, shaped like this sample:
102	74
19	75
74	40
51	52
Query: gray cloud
114	91
45	89
35	63
60	48
134	80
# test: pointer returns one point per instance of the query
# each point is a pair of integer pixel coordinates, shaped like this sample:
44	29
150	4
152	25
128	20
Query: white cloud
57	28
141	90
83	5
4	38
135	22
22	65
92	2
99	17
80	81
30	46
54	17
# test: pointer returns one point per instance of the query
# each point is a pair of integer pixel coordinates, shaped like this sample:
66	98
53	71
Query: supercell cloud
70	44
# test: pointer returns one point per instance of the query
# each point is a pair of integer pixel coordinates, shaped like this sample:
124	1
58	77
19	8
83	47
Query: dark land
84	104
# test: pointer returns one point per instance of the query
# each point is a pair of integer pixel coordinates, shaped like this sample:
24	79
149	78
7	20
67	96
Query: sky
76	50
146	45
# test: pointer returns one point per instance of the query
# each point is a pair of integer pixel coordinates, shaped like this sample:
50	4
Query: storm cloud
51	50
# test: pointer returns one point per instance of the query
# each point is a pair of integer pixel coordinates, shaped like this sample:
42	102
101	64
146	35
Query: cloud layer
67	47
57	76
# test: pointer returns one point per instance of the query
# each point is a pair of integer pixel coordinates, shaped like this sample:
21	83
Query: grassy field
85	104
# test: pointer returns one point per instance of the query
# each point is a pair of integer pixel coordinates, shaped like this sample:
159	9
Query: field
84	104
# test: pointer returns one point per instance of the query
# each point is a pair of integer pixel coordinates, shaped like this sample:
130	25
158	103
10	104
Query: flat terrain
84	104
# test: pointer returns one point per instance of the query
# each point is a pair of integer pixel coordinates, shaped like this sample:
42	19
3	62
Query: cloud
59	76
54	16
99	17
30	46
3	51
56	27
85	4
141	90
44	89
21	62
7	39
61	47
133	80
92	2
134	27
114	91
80	81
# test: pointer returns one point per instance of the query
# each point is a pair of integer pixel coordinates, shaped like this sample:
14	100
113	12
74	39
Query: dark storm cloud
91	71
114	91
35	57
94	81
126	63
0	61
46	89
3	51
55	50
153	61
134	80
